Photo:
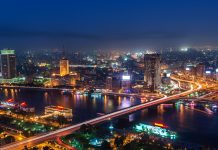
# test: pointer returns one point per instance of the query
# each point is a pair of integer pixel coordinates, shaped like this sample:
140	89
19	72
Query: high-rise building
8	63
126	81
64	67
200	70
217	74
152	75
109	82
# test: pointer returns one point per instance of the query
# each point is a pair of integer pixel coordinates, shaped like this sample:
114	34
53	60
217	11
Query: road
68	130
59	141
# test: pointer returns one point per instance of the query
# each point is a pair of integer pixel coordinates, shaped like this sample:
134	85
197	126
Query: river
191	126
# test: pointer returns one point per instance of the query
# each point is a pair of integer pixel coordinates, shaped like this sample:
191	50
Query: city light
126	77
208	72
155	130
117	75
184	49
187	69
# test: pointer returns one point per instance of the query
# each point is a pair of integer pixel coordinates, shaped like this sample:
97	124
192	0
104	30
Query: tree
61	120
119	141
145	138
1	130
46	148
122	123
87	128
131	146
83	128
105	145
25	147
35	148
9	139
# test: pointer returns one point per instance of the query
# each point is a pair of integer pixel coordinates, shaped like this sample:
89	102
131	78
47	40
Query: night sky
108	24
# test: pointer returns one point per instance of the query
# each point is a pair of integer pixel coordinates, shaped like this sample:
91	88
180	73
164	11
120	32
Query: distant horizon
124	24
113	50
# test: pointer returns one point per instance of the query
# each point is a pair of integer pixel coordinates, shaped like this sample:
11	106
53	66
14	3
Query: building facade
58	110
8	64
152	75
126	82
64	67
200	70
109	82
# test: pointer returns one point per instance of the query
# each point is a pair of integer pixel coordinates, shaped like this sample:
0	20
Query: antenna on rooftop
63	52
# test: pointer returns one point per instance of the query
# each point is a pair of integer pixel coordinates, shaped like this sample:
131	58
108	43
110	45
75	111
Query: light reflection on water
190	125
84	106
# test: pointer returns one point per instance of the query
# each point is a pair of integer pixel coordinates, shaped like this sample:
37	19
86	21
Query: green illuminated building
165	133
8	63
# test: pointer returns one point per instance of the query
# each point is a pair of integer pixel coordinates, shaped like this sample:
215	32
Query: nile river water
191	126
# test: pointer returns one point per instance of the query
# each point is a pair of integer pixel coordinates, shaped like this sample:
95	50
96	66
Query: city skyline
108	24
108	74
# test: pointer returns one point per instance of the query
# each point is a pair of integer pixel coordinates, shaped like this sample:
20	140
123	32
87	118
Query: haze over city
97	24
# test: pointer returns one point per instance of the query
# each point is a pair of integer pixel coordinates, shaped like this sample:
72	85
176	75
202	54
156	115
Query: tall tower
64	67
200	70
109	81
126	81
152	75
8	63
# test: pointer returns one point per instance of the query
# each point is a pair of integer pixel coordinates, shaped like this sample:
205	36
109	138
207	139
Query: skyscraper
109	81
200	70
126	81
152	75
217	74
64	67
8	63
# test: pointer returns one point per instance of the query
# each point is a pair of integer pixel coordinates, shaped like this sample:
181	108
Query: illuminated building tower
8	63
126	82
109	83
217	74
200	70
152	75
64	67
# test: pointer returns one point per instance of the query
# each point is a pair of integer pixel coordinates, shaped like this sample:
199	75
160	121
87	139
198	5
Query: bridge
206	97
68	130
28	87
83	66
138	95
